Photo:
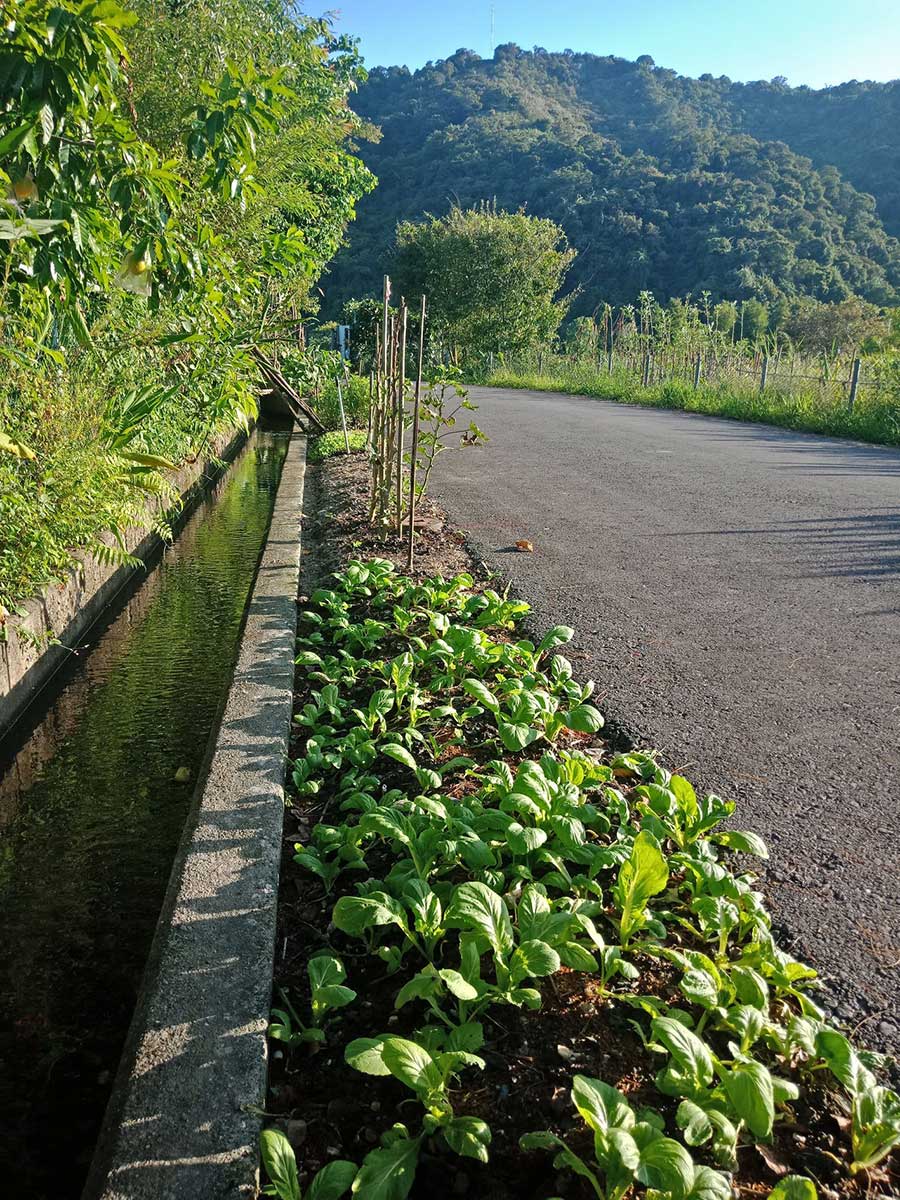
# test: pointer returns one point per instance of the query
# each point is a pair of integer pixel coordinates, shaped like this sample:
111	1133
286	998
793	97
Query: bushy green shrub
355	393
327	445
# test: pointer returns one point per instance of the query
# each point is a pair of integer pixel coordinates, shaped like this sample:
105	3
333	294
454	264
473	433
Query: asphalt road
735	591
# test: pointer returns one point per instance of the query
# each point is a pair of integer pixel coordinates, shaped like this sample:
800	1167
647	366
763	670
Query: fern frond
112	556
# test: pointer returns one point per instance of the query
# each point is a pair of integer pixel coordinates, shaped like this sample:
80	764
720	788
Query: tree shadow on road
866	545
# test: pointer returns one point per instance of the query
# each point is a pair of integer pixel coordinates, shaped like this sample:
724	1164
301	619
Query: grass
327	445
870	421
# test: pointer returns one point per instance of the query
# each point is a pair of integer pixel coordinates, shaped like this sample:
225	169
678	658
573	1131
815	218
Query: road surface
735	591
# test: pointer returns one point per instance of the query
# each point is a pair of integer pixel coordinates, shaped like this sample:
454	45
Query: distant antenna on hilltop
492	31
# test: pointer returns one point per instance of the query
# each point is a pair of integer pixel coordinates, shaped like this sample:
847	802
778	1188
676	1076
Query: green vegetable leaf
332	1181
557	636
642	875
689	1052
480	692
667	1166
843	1061
411	1064
523	839
367	1055
576	957
749	1089
743	842
280	1163
400	754
458	985
476	906
325	969
469	1136
533	958
585	719
694	1122
794	1187
356	914
601	1105
699	987
388	1172
516	735
710	1185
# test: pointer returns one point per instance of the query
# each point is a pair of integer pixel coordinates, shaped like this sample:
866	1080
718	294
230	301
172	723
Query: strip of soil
329	1110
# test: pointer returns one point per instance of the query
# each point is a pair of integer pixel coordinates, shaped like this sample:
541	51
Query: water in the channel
91	816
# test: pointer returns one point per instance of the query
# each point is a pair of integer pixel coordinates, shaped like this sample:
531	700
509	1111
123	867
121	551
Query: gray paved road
736	595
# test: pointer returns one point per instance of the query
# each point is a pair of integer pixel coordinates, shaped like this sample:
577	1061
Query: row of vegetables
481	841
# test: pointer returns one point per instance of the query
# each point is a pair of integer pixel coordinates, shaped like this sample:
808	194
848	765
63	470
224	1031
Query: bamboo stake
401	393
387	441
381	402
373	426
371	402
343	415
414	449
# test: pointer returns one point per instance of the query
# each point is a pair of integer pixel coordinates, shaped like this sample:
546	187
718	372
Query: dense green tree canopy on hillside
658	181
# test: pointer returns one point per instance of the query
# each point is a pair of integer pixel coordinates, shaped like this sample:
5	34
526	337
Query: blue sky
817	42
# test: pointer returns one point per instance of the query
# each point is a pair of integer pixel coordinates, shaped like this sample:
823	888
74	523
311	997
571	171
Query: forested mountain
662	182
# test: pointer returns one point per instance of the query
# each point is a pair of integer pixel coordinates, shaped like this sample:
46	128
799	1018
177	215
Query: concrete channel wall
183	1120
57	620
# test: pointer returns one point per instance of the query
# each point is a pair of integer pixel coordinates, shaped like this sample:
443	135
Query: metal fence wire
834	383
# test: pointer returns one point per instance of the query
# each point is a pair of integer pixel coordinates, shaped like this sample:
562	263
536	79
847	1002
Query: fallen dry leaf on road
524	546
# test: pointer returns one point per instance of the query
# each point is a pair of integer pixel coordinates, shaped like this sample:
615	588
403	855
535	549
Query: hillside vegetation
659	181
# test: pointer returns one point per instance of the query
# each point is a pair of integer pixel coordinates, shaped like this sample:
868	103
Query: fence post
540	362
854	384
609	355
698	370
646	376
764	374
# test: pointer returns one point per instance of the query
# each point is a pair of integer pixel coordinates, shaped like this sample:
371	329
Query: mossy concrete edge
183	1121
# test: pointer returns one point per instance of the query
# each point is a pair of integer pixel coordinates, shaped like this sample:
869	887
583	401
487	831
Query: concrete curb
179	1125
67	610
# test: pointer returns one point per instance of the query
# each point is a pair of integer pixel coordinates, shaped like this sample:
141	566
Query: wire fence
832	382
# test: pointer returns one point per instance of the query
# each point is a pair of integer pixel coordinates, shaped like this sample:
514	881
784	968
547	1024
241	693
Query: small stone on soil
296	1133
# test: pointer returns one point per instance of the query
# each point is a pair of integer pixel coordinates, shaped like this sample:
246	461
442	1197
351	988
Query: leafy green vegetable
486	876
643	874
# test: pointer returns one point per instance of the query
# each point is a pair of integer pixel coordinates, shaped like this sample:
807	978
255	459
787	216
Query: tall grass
873	418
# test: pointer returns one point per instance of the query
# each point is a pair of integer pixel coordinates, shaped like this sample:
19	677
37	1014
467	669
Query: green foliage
491	277
443	399
657	180
474	878
327	991
875	419
629	1148
281	1167
327	445
174	179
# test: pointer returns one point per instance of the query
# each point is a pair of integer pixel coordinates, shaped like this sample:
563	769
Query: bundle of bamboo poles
388	419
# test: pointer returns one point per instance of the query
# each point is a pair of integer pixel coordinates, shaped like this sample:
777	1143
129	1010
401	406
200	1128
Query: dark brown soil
336	528
329	1110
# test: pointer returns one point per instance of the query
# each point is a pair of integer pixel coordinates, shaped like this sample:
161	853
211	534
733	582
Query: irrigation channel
91	815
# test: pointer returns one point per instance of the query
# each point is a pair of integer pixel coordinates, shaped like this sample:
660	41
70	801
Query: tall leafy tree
174	176
491	277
